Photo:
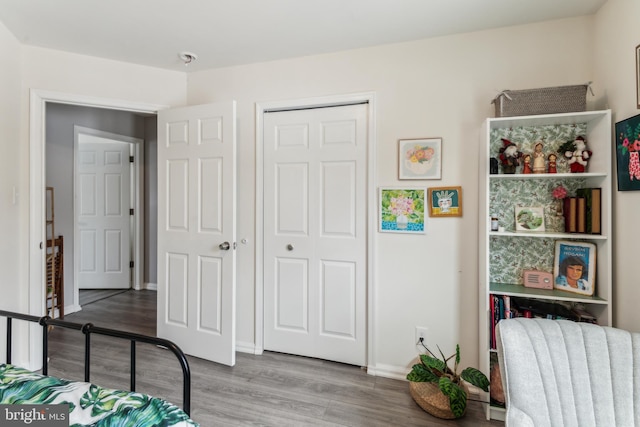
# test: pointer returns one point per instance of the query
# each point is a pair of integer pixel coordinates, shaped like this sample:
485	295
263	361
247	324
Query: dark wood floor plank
272	389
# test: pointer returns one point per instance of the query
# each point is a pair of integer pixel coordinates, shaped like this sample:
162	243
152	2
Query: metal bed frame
87	329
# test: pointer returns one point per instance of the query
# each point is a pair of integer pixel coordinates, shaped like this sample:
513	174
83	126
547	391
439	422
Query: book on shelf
575	214
571	214
593	209
507	307
581	215
574	266
582	315
496	319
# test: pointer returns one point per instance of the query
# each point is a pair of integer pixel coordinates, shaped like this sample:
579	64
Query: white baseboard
388	371
248	347
68	309
150	286
146	286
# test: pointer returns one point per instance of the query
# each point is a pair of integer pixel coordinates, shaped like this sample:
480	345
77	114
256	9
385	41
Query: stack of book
507	307
582	213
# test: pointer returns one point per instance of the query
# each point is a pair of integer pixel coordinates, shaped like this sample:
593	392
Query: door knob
289	247
224	246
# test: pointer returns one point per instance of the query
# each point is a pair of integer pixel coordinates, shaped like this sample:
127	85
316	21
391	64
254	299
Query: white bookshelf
498	279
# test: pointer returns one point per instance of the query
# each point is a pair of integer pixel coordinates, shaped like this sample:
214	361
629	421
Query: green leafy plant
437	370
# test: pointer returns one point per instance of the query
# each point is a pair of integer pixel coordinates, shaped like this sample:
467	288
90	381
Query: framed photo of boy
574	267
445	201
420	158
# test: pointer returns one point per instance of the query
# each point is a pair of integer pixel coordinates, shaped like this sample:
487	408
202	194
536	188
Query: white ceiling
233	32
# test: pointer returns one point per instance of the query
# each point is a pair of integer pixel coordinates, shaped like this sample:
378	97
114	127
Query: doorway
311	302
63	123
40	100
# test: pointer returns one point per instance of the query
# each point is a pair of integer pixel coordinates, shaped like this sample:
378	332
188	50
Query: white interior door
196	229
103	200
315	186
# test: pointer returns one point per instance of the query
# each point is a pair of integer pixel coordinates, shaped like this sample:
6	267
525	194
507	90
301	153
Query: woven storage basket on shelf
547	100
431	399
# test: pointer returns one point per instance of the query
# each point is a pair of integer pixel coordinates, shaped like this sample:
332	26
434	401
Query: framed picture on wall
402	210
445	201
628	153
420	158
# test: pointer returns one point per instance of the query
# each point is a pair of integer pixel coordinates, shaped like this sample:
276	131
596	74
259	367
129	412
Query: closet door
315	215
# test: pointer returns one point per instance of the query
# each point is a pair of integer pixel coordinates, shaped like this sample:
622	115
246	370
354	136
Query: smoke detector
187	57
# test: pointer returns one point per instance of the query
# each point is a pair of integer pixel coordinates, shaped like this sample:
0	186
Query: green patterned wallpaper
506	263
506	194
525	137
510	256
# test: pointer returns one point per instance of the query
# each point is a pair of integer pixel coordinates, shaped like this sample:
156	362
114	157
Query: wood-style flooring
272	389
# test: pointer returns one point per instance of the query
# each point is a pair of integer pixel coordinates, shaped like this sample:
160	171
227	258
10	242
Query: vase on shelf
559	206
556	216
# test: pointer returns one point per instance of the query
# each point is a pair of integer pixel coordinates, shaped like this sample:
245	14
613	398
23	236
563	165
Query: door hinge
131	211
130	159
130	264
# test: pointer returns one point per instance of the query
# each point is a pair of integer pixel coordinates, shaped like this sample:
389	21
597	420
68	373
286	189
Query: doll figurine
579	156
552	163
526	164
509	156
538	159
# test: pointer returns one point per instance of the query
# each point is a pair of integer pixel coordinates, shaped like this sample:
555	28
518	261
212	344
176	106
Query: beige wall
437	87
13	247
23	69
617	35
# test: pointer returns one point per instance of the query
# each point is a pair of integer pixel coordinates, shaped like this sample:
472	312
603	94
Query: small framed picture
574	267
402	210
445	201
529	218
420	158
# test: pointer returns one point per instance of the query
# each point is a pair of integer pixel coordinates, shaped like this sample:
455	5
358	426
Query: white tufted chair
559	373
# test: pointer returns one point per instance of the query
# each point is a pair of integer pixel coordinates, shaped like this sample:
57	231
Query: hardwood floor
269	390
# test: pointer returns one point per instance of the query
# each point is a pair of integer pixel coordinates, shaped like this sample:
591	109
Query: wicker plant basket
431	399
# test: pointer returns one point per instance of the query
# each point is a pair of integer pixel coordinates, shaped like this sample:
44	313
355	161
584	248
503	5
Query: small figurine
493	166
552	163
509	156
579	156
538	159
526	164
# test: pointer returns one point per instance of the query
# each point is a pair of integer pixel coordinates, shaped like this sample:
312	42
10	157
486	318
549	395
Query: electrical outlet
421	333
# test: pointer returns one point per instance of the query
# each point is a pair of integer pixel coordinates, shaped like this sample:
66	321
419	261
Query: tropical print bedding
89	404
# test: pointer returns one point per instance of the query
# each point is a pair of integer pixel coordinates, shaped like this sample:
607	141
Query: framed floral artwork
628	153
445	201
420	158
402	210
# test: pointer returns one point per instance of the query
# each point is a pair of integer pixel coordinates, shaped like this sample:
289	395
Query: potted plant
440	390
